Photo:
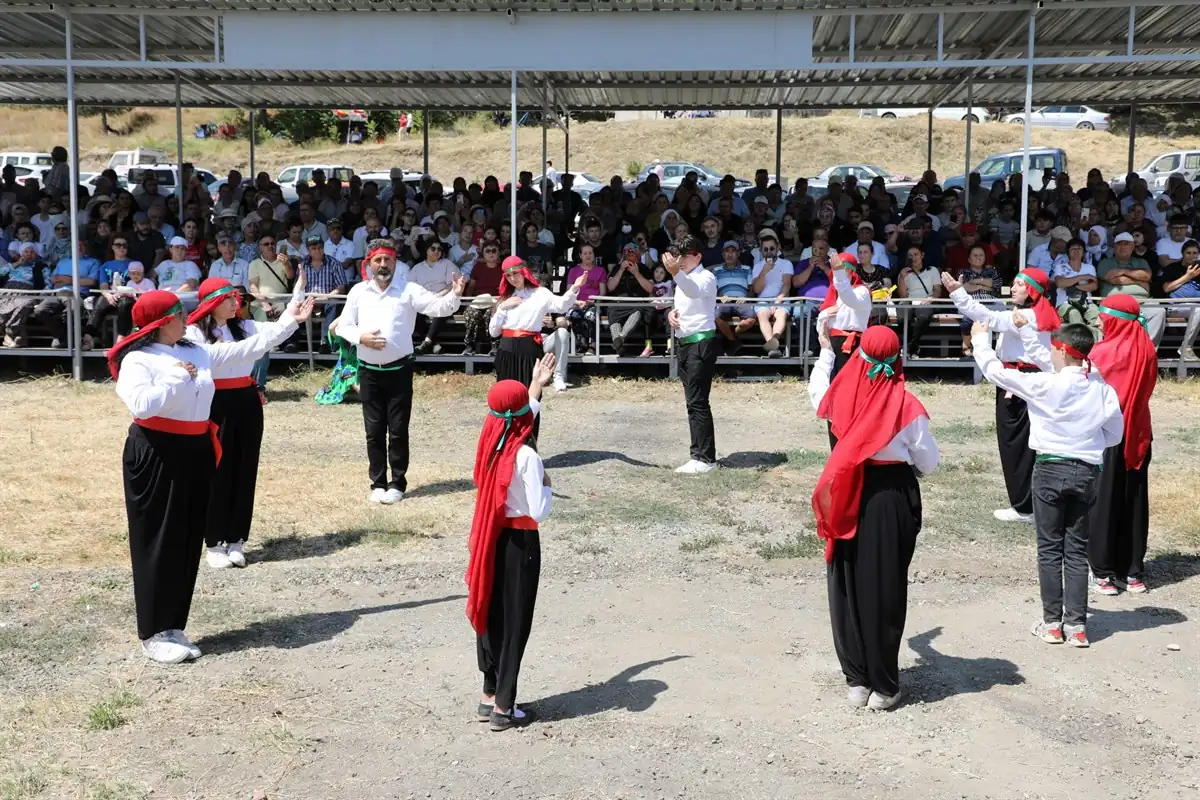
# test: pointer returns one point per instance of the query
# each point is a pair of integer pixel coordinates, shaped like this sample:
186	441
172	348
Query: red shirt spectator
956	256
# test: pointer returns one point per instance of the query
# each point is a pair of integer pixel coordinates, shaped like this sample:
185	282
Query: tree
103	112
300	125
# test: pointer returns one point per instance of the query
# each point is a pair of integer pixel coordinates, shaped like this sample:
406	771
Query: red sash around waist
876	462
521	523
851	339
1021	365
233	383
166	425
513	333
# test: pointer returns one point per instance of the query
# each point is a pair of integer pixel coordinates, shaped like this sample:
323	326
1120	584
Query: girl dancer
846	309
170	456
237	413
868	508
513	498
1029	295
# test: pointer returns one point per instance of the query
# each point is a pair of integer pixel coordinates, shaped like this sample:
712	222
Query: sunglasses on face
266	244
120	244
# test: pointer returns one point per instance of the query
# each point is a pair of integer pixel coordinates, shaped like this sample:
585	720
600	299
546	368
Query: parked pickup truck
1000	167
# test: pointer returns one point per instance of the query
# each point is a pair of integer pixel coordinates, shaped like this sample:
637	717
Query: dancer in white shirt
512	500
846	311
1073	417
379	317
170	456
697	349
868	508
1032	298
237	411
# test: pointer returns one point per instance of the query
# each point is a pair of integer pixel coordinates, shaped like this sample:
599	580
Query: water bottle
117	280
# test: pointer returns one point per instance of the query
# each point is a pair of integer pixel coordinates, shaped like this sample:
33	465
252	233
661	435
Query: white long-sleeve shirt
1009	347
695	301
150	383
852	311
914	444
527	497
242	366
535	304
392	312
1071	415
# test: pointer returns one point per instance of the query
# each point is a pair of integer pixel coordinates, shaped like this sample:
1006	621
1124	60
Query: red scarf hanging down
867	405
508	425
1038	284
151	311
851	270
1128	362
213	292
514	265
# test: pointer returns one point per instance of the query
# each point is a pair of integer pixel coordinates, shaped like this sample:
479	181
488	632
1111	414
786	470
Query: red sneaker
1135	585
1105	586
1050	633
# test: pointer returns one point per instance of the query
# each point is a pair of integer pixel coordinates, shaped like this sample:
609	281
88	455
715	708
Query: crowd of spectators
769	247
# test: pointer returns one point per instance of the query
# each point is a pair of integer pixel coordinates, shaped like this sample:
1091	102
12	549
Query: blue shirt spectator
89	268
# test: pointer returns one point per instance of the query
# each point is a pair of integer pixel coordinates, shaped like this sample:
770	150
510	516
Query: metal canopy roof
1082	53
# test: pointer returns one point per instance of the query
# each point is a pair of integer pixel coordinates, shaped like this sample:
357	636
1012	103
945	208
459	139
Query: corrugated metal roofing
883	32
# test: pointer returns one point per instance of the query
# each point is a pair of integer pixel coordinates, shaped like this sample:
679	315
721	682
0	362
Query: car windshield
44	161
880	171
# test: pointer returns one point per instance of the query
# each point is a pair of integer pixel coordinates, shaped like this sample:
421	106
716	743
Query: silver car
1084	118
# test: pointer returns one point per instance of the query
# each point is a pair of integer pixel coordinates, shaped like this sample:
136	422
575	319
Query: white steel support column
179	143
967	158
545	112
253	135
1132	133
425	141
779	146
73	166
566	140
1025	152
512	183
929	142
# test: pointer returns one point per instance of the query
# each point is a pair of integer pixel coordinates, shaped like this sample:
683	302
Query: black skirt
167	479
239	414
1119	526
516	357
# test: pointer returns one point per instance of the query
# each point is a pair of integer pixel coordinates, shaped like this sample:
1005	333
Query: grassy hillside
604	149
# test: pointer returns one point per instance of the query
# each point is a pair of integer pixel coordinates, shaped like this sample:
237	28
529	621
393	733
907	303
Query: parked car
1084	118
27	171
124	160
26	159
585	183
1159	169
865	173
290	176
167	175
976	113
997	167
672	173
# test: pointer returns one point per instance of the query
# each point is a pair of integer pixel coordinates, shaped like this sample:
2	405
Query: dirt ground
681	644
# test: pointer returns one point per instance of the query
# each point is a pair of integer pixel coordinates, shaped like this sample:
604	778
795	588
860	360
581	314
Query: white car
1160	168
26	159
975	113
584	184
865	173
1083	118
290	176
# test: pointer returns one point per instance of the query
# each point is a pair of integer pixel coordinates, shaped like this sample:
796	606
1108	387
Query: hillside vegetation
737	145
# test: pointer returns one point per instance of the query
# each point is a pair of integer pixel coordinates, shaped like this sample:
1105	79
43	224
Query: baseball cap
336	222
867	225
762	198
920	197
226	214
767	233
177	241
1061	232
310	241
731	243
438	215
1123	237
135	265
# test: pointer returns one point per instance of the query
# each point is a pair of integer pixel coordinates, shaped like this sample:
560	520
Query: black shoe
424	348
484	712
502	722
493	352
289	348
323	349
468	351
618	344
732	347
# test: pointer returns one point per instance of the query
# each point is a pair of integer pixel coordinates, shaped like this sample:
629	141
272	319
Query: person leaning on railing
25	273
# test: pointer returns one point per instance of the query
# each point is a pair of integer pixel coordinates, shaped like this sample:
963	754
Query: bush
382	123
633	168
302	125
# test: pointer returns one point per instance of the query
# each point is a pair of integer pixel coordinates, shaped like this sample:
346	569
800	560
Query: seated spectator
1093	234
1076	280
484	286
536	253
25	233
921	212
323	275
1044	255
293	246
178	274
663	291
464	251
271	276
1004	228
1043	226
583	316
58	247
877	280
957	256
228	265
922	285
1142	249
52	311
791	243
771	279
1181	281
1124	273
437	274
628	279
811	281
197	250
733	291
337	246
981	280
117	296
25	272
866	236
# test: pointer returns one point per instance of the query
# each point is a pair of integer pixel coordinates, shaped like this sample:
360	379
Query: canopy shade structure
670	54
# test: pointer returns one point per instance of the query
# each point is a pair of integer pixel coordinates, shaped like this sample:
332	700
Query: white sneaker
694	467
218	557
880	702
392	495
858	696
560	385
1012	515
162	648
181	638
237	556
377	495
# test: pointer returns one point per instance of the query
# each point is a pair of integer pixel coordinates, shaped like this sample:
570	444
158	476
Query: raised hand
981	326
580	281
303	310
951	284
835	261
459	284
543	370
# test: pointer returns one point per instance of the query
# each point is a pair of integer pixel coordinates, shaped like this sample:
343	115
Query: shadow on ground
294	548
301	630
753	459
1103	623
936	676
618	692
441	487
1165	569
584	458
287	395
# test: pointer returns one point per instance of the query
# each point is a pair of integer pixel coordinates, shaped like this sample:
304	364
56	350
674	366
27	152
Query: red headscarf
508	425
515	265
1038	284
1128	362
377	248
867	405
151	311
851	270
213	292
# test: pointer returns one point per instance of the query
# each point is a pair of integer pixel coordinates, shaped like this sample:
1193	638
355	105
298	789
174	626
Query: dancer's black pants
167	478
239	414
1120	521
386	397
510	616
868	579
1063	495
1016	459
697	364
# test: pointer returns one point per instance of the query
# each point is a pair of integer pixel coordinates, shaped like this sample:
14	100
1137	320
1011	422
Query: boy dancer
697	348
1073	417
